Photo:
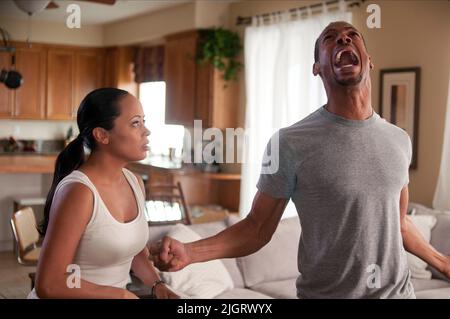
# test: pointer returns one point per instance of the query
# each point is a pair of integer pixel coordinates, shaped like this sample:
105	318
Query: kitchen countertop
30	163
45	164
176	168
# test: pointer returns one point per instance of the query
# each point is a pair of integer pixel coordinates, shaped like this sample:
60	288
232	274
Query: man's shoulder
307	123
394	130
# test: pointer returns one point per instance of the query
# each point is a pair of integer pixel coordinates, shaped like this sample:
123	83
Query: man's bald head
332	25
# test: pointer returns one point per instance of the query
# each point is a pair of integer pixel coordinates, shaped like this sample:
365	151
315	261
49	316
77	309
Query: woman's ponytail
70	158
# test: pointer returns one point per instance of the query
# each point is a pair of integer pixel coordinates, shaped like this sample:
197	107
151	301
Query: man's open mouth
345	58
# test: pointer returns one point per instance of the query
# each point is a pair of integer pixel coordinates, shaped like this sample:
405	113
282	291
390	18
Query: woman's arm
143	269
69	215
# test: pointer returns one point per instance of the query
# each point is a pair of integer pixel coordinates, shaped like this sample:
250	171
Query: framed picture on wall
399	100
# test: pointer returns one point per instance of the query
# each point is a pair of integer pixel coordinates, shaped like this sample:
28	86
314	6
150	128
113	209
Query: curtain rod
248	20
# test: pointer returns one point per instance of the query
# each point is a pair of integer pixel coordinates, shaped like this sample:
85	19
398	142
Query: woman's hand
163	292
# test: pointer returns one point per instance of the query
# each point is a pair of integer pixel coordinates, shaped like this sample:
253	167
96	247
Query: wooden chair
166	205
23	224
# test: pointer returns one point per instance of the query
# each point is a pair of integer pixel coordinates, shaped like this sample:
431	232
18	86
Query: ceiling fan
34	6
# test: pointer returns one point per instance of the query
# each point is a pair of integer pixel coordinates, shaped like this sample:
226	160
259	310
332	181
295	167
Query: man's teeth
338	56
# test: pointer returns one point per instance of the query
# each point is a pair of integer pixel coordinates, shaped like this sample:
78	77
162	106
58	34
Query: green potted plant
221	48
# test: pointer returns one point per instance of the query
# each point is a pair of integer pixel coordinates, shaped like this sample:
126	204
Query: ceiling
91	13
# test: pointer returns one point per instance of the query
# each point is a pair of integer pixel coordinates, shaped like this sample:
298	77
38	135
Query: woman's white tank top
107	246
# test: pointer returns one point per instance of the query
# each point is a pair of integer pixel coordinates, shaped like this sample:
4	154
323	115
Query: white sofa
272	271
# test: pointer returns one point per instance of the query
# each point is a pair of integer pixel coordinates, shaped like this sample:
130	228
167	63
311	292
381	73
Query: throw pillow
417	266
201	280
278	259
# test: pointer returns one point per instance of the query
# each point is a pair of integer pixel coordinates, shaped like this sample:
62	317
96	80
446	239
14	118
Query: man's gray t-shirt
345	178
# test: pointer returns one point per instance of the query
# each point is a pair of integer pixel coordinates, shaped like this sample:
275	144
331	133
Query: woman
94	219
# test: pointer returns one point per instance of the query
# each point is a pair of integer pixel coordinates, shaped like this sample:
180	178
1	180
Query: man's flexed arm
241	239
414	242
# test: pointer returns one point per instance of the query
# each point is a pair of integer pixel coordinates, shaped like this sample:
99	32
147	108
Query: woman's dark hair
98	109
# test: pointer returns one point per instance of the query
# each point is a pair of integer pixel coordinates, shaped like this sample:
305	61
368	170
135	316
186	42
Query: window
163	137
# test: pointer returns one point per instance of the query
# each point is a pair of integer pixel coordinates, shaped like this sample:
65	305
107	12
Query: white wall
212	14
153	25
53	32
43	130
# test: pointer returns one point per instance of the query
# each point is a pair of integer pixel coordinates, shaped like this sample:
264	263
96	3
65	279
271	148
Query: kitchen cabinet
6	98
60	83
118	71
56	79
71	74
196	91
180	75
88	74
29	98
111	67
216	99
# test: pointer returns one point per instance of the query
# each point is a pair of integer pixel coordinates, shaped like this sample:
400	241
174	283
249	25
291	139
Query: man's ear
101	135
316	68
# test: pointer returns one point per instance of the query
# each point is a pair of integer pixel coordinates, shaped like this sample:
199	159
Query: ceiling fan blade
109	2
52	5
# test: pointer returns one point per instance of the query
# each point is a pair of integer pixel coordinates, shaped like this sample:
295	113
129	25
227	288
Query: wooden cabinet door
111	63
203	94
6	95
119	71
29	98
180	75
88	74
60	82
217	100
224	101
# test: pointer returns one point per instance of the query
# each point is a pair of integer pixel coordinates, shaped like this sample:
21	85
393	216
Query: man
346	170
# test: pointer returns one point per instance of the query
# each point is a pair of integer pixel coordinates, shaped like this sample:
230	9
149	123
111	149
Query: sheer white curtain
280	87
442	194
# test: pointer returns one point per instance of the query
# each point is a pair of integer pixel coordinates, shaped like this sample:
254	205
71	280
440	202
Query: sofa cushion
242	293
281	289
427	284
277	260
417	266
420	209
442	293
199	280
211	229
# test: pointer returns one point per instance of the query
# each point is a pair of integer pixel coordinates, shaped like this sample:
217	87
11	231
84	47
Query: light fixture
32	6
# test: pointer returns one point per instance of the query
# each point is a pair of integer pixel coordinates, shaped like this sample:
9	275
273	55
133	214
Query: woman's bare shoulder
140	181
73	199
